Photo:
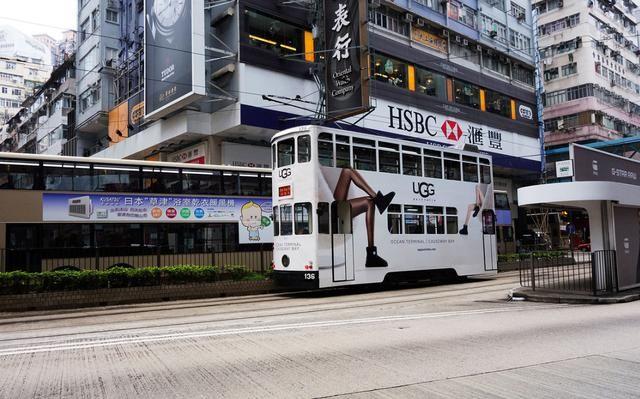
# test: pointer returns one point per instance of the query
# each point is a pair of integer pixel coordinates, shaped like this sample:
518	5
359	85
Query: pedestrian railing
571	271
257	259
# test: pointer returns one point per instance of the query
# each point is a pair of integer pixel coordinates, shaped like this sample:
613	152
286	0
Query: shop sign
429	39
245	155
346	38
596	165
564	168
253	215
195	154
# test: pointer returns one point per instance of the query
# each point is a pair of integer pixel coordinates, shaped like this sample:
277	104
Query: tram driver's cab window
302	218
285	152
325	149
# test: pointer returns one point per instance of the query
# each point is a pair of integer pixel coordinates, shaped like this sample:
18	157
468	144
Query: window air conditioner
420	22
408	17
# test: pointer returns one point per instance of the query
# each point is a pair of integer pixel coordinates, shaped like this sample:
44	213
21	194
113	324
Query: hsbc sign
448	130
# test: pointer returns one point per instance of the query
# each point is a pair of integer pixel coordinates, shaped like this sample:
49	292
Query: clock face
167	12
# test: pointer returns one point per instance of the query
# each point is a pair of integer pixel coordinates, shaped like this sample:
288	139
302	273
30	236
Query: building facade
591	70
45	123
24	65
433	64
98	45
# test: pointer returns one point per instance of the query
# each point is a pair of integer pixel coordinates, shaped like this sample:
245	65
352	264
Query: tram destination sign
596	165
346	58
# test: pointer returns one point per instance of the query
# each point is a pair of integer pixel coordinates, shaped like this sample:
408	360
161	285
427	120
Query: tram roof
129	162
306	128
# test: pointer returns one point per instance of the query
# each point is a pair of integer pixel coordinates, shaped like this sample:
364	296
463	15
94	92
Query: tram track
259	314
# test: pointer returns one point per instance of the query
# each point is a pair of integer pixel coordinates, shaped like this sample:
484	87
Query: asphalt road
447	341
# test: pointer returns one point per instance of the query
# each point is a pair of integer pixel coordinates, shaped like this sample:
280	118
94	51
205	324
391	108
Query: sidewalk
540	295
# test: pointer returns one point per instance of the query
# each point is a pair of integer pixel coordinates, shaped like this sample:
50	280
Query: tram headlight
285	261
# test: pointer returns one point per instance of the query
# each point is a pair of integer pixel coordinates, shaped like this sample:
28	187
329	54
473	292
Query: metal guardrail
569	271
48	259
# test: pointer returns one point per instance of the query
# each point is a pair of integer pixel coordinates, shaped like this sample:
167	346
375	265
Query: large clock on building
164	17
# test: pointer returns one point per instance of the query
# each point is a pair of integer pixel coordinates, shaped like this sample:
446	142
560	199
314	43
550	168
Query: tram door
342	242
489	240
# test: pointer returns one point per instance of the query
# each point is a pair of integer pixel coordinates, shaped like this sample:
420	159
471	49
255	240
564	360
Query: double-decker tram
355	208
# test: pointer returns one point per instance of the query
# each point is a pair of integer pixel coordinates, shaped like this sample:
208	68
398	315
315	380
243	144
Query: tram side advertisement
253	215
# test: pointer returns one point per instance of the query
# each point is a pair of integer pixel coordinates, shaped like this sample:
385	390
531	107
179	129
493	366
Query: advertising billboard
346	38
174	55
253	215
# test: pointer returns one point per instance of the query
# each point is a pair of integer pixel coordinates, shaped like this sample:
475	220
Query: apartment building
591	70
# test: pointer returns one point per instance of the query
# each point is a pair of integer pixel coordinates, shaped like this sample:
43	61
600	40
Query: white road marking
253	330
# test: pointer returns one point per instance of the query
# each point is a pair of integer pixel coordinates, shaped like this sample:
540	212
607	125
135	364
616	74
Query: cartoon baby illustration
251	218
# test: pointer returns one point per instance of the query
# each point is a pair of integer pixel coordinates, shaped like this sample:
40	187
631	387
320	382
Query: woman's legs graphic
364	205
472	210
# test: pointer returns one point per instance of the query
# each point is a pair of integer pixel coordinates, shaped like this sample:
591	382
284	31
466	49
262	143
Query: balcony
580	134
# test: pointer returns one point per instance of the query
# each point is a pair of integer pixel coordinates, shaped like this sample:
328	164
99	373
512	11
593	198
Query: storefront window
431	83
467	94
265	32
497	103
389	70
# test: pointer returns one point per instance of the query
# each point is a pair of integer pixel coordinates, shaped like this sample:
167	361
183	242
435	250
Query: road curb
559	297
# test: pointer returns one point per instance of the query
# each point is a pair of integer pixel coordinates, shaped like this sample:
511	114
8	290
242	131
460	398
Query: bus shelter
606	186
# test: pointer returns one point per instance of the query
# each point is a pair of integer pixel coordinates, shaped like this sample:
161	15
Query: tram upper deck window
230	183
249	184
114	178
161	180
433	164
343	151
285	152
364	154
201	182
470	169
19	175
388	158
411	161
304	148
286	222
485	171
325	149
302	218
67	176
451	166
274	159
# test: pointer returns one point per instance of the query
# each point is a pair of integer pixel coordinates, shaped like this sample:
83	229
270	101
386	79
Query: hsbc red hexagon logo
451	130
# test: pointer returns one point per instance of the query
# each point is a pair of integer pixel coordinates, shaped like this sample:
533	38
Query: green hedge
22	282
527	255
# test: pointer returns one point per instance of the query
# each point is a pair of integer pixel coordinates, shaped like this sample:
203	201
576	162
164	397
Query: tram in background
354	208
94	213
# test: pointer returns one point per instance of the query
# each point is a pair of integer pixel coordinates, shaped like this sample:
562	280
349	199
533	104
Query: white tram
354	208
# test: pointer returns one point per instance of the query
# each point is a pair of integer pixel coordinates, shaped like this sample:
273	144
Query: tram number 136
309	276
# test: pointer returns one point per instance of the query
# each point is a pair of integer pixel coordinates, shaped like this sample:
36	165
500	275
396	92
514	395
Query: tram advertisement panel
254	215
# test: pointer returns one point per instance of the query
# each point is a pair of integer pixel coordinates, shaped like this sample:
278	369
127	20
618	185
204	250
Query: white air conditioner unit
458	39
420	22
375	4
465	42
445	33
408	17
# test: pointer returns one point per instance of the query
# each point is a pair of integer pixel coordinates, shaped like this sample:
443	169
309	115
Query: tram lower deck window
413	219
276	221
452	221
286	221
394	219
302	218
323	218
